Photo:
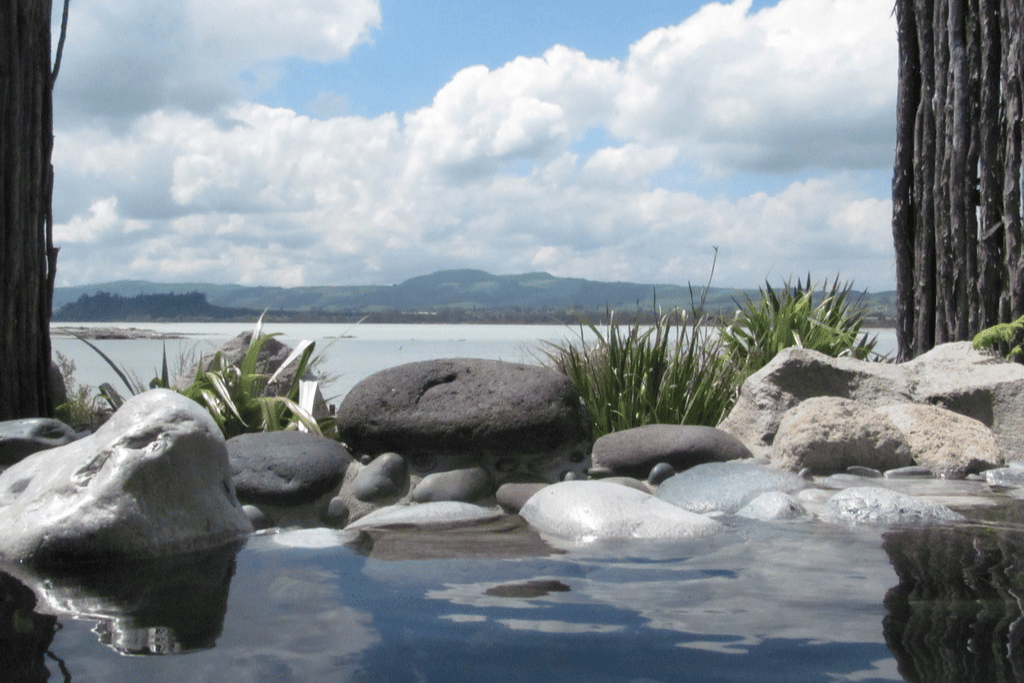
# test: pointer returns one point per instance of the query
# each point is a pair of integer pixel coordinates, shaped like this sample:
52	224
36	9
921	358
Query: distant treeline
194	307
104	307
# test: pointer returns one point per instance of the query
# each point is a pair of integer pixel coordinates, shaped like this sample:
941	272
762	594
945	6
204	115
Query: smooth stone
385	477
949	444
660	473
726	486
315	538
21	438
466	485
258	518
880	506
633	452
868	472
426	515
774	505
585	511
911	472
514	420
151	482
285	467
337	514
513	495
828	434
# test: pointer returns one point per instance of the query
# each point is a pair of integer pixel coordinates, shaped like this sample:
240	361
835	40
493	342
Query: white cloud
500	171
125	59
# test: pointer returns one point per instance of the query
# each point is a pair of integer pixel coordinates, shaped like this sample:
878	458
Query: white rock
874	505
772	506
427	515
584	511
153	481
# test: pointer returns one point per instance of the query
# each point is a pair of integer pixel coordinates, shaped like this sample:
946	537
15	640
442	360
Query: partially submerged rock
726	486
153	481
879	506
584	511
426	515
634	452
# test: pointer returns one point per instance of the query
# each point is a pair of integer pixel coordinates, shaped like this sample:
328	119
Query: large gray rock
285	468
726	486
633	452
21	438
949	444
153	481
509	419
827	434
953	376
585	511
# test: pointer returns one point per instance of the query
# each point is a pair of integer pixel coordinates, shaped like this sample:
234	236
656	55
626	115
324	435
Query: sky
347	142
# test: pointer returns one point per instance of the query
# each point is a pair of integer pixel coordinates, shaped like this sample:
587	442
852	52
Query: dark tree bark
957	175
27	256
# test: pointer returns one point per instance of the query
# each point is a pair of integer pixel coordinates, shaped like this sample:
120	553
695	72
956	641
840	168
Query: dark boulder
285	468
509	419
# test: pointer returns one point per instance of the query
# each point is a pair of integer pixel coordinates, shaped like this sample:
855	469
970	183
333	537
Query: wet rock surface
153	481
726	487
583	511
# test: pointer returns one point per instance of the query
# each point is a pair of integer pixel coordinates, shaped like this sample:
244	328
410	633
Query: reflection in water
956	614
150	607
25	636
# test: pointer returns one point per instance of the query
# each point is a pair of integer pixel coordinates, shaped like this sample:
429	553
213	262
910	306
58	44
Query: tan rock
949	444
827	434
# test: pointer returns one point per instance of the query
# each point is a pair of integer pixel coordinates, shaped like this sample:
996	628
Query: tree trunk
957	174
27	256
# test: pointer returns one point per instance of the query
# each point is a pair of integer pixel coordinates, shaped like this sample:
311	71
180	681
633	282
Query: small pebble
257	517
660	473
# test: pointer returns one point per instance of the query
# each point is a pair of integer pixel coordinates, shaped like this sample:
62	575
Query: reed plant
670	371
790	317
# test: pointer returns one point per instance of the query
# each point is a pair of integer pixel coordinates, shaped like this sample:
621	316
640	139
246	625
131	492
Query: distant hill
450	290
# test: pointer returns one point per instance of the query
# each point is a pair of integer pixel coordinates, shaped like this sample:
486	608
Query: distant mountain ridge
449	289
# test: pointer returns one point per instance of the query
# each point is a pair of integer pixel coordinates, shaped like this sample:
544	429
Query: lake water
350	352
779	602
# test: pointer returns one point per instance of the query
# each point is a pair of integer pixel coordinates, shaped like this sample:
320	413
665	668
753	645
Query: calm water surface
758	602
